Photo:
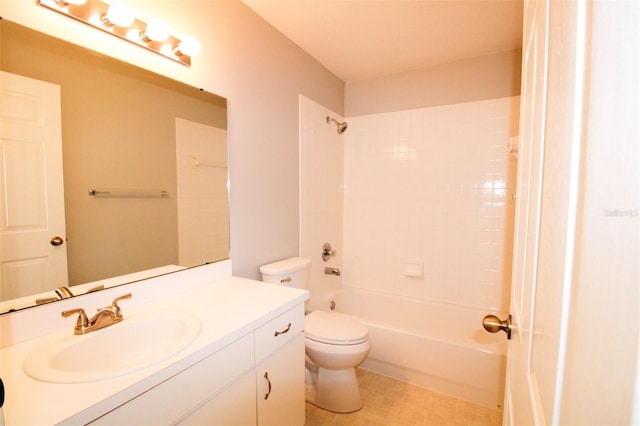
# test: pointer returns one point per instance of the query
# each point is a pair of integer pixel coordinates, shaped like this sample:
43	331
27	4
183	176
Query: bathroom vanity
243	364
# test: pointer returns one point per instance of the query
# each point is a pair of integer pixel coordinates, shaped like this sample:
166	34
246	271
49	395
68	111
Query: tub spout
332	271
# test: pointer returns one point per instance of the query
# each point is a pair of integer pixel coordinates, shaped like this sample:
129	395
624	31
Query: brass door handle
57	241
493	324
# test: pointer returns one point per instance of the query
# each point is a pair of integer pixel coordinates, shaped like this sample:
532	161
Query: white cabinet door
174	398
280	386
234	406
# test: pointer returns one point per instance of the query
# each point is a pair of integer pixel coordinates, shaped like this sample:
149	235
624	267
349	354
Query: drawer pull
266	376
277	333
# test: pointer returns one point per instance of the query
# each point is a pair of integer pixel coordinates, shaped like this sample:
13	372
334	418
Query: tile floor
391	402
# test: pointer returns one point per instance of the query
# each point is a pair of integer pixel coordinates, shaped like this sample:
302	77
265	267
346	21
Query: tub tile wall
321	195
432	186
202	193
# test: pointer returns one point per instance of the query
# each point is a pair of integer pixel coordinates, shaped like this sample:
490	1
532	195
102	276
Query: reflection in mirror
154	149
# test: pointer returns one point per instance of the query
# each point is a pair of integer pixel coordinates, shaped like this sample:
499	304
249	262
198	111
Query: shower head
342	127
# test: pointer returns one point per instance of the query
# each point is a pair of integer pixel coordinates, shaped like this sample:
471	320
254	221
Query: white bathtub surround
427	218
438	346
432	186
202	192
321	194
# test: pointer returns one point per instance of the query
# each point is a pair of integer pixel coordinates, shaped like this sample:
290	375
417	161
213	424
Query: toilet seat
334	329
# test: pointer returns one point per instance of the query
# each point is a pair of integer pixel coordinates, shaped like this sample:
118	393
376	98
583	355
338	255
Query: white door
574	302
521	388
32	229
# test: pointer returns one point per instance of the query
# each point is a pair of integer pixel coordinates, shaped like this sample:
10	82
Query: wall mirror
154	151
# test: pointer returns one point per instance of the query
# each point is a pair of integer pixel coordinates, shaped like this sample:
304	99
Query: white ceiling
360	39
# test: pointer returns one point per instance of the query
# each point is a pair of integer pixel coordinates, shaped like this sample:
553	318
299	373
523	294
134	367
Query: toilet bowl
335	344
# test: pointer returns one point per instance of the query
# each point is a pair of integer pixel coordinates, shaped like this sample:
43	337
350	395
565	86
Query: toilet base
335	390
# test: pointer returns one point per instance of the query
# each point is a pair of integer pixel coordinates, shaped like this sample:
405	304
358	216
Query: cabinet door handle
266	376
277	333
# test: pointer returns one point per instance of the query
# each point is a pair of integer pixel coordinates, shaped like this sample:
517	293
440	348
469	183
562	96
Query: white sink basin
139	341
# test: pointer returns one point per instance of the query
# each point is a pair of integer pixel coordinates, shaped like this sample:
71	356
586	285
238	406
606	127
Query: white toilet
334	344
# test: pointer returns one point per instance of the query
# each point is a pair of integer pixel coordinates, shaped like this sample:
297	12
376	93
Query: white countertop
228	308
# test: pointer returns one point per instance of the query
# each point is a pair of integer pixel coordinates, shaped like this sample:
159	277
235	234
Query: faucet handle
82	322
114	305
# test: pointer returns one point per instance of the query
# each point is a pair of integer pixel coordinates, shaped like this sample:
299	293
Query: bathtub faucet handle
327	252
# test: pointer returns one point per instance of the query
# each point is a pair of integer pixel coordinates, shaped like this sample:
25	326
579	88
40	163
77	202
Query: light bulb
120	14
190	46
156	30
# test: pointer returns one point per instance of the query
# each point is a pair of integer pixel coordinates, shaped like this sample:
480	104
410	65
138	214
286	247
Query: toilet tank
292	272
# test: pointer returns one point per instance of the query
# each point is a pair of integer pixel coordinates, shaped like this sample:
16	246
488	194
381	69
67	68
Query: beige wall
475	79
261	73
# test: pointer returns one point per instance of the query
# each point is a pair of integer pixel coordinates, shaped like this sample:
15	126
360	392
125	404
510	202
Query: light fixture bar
94	13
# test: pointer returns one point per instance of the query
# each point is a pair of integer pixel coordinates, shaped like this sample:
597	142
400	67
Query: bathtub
434	345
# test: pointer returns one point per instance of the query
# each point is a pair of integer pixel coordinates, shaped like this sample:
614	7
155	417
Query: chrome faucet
105	317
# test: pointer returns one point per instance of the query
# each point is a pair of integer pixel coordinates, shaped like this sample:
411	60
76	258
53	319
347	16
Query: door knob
493	324
57	241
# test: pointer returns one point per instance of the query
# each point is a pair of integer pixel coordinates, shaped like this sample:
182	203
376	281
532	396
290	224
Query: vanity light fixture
117	18
68	2
189	46
119	13
156	30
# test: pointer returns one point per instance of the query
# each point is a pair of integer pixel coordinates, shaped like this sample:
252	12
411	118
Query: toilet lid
334	328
